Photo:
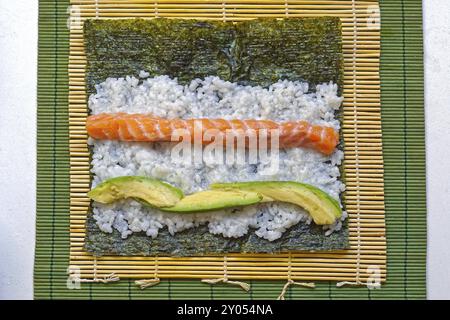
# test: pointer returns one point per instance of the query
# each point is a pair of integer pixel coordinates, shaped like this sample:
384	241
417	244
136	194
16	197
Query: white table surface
18	68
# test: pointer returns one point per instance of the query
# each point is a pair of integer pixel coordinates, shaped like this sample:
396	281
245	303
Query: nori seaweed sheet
255	52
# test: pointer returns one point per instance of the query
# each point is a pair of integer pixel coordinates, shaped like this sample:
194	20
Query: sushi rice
212	98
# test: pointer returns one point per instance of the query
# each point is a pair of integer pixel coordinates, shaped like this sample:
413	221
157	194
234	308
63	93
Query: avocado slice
153	192
322	208
209	200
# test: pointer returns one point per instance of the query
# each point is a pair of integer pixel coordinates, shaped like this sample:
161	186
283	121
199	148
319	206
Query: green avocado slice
154	192
151	192
322	208
209	200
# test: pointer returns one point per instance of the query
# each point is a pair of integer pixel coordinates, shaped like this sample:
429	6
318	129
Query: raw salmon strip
141	127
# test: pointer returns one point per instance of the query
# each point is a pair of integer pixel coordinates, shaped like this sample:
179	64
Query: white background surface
18	67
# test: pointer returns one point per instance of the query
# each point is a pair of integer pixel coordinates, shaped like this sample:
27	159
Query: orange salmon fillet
148	128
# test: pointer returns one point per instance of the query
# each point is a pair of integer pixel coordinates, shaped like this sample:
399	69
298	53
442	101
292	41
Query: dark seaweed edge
199	242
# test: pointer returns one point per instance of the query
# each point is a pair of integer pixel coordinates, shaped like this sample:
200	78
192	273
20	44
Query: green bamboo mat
404	158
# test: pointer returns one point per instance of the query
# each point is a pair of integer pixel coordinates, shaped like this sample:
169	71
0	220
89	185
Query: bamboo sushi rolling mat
387	216
363	164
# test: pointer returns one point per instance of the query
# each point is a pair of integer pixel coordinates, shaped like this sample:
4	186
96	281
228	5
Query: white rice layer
212	98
